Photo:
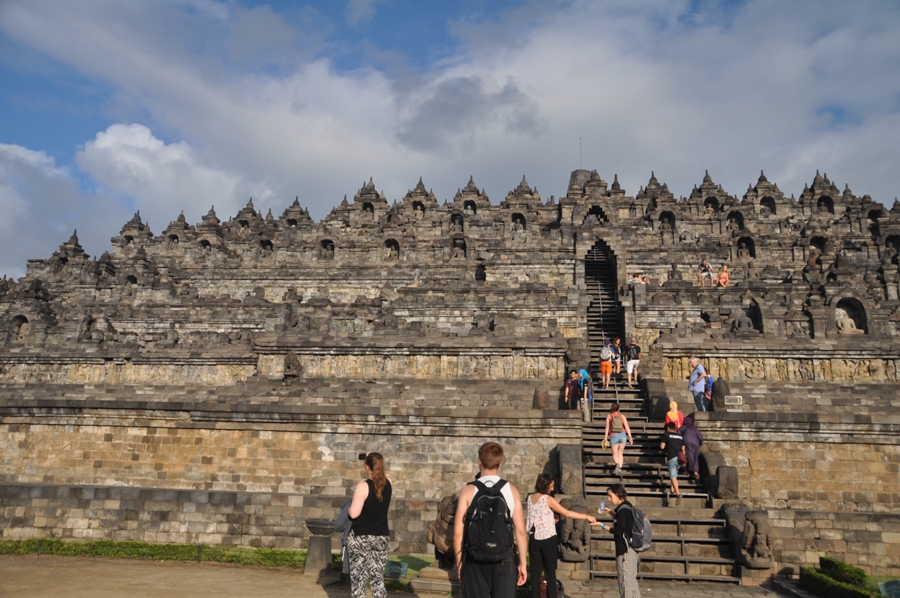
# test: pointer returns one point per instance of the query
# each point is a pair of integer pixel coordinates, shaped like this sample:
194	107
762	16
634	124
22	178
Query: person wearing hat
606	362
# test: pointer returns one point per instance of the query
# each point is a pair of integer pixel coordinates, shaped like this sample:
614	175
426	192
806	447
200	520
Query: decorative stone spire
211	217
523	186
762	177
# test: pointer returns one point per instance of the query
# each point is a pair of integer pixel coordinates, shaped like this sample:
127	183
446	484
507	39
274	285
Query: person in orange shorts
606	362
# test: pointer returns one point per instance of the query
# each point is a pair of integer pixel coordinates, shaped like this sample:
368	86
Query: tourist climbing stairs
604	312
690	543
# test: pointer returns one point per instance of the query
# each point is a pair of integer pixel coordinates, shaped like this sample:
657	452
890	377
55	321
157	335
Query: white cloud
160	179
361	11
41	205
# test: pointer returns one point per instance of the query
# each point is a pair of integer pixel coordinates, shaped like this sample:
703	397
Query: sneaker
618	471
678	500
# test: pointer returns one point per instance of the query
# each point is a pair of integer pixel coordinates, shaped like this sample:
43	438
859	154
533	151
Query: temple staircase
604	312
689	542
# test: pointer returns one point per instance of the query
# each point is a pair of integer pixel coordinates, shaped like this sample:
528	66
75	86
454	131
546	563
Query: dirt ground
76	577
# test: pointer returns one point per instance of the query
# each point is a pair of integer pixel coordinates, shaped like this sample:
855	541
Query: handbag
682	459
560	593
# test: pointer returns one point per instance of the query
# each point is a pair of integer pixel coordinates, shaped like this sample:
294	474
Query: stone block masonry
810	461
868	540
205	472
155	515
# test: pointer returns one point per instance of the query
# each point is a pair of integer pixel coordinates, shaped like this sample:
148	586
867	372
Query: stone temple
213	383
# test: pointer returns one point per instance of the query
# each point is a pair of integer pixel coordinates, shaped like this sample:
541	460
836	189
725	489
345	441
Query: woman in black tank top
369	540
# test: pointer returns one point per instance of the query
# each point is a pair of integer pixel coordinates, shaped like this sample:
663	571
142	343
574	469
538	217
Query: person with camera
369	539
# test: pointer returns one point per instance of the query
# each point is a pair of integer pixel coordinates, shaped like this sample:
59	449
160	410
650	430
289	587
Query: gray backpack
641	530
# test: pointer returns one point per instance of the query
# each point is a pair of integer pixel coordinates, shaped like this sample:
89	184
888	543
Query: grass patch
18	546
263	557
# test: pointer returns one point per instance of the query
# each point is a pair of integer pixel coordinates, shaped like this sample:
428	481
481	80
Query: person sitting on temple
722	276
638	279
704	273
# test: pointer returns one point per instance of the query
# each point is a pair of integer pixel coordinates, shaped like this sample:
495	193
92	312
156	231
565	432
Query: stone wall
867	540
296	462
538	364
257	519
752	365
505	395
810	461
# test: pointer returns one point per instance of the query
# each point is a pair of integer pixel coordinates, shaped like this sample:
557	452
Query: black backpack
489	530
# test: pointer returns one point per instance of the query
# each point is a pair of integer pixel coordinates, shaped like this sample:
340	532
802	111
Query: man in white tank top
490	580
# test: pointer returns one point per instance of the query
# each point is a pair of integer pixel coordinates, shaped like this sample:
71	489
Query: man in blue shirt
697	384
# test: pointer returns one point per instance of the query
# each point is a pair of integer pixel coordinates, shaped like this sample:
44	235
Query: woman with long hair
543	545
369	538
617	432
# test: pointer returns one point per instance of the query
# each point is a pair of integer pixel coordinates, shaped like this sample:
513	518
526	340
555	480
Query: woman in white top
543	546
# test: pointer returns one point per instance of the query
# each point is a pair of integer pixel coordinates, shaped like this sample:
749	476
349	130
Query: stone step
676	570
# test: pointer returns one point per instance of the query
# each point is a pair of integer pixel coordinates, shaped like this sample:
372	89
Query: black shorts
489	580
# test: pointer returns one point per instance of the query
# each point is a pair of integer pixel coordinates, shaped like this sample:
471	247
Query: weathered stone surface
574	534
726	479
541	399
571	476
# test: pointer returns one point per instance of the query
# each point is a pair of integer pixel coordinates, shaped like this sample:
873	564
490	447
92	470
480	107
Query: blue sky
113	106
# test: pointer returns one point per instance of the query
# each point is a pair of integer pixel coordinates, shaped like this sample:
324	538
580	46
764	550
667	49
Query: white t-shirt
506	491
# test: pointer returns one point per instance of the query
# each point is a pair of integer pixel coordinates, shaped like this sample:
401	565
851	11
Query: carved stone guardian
440	532
574	534
756	549
750	535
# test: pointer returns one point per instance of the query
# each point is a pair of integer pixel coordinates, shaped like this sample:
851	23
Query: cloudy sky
112	106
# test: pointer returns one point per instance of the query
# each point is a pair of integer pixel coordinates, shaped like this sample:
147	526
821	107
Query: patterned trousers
626	572
368	555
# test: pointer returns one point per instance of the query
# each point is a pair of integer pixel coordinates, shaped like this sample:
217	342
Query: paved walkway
75	577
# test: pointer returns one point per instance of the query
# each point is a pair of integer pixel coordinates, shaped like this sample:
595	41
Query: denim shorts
673	467
618	438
